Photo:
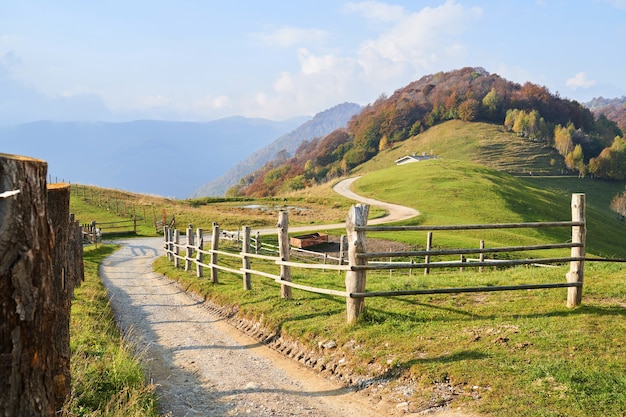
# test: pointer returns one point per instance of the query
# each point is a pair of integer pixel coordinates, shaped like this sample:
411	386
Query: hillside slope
459	192
483	143
322	124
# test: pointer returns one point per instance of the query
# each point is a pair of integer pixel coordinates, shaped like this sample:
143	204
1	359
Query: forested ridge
614	109
590	145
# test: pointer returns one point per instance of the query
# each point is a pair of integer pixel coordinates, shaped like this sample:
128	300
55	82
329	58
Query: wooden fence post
245	260
199	254
429	245
577	268
166	242
189	248
76	248
28	309
64	281
257	242
355	280
176	248
481	256
343	245
215	240
283	252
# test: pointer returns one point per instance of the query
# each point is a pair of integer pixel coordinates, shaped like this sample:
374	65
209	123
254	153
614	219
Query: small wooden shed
306	241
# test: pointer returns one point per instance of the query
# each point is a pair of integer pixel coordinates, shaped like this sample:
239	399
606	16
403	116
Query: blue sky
202	60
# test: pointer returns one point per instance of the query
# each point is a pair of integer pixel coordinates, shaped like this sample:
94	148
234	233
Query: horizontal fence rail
531	225
358	261
469	251
467	289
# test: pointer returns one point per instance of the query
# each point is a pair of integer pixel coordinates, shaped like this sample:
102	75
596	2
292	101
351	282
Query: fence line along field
193	253
153	212
498	353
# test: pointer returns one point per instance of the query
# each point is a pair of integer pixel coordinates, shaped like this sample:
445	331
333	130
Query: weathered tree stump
27	291
40	264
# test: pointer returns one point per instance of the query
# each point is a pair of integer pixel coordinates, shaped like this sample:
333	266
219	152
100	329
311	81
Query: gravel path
203	366
395	212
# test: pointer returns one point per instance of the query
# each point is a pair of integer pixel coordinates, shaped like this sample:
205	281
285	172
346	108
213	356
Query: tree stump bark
59	218
30	376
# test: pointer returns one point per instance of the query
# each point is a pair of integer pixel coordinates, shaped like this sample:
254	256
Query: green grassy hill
483	143
457	192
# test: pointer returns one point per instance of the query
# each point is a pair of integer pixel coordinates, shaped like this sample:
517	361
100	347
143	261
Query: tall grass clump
107	378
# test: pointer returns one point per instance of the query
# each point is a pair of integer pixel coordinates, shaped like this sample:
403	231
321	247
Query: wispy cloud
579	80
406	46
421	38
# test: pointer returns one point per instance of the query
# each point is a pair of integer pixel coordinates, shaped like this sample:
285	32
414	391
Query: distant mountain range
321	125
170	159
612	108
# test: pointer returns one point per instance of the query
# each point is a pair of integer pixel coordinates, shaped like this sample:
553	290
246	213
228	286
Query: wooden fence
93	232
193	253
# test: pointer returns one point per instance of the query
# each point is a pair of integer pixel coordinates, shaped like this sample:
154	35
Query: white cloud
284	83
579	80
423	38
220	102
289	36
407	46
312	64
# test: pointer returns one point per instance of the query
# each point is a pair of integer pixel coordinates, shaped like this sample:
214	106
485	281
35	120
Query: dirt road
203	366
395	212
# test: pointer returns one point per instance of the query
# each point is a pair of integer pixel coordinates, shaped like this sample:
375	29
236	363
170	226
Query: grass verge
517	353
502	354
107	378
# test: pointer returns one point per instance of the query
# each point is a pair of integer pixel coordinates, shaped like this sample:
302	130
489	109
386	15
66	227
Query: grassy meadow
107	379
517	353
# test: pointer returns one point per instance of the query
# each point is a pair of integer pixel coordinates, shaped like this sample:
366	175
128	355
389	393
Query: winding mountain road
202	366
395	212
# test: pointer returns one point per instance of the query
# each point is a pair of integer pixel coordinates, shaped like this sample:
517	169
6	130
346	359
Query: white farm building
414	158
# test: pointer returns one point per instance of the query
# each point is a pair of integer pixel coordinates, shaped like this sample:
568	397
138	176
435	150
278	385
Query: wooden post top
58	186
20	157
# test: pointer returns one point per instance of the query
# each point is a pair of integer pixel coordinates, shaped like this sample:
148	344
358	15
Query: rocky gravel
202	365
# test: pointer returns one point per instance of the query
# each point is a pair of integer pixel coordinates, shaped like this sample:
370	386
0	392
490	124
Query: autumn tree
490	104
383	144
563	139
618	205
510	118
611	163
468	110
575	160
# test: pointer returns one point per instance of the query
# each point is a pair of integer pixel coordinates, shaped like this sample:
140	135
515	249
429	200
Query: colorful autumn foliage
469	94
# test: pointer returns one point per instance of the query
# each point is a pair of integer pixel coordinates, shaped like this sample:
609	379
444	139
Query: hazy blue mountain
164	158
320	125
